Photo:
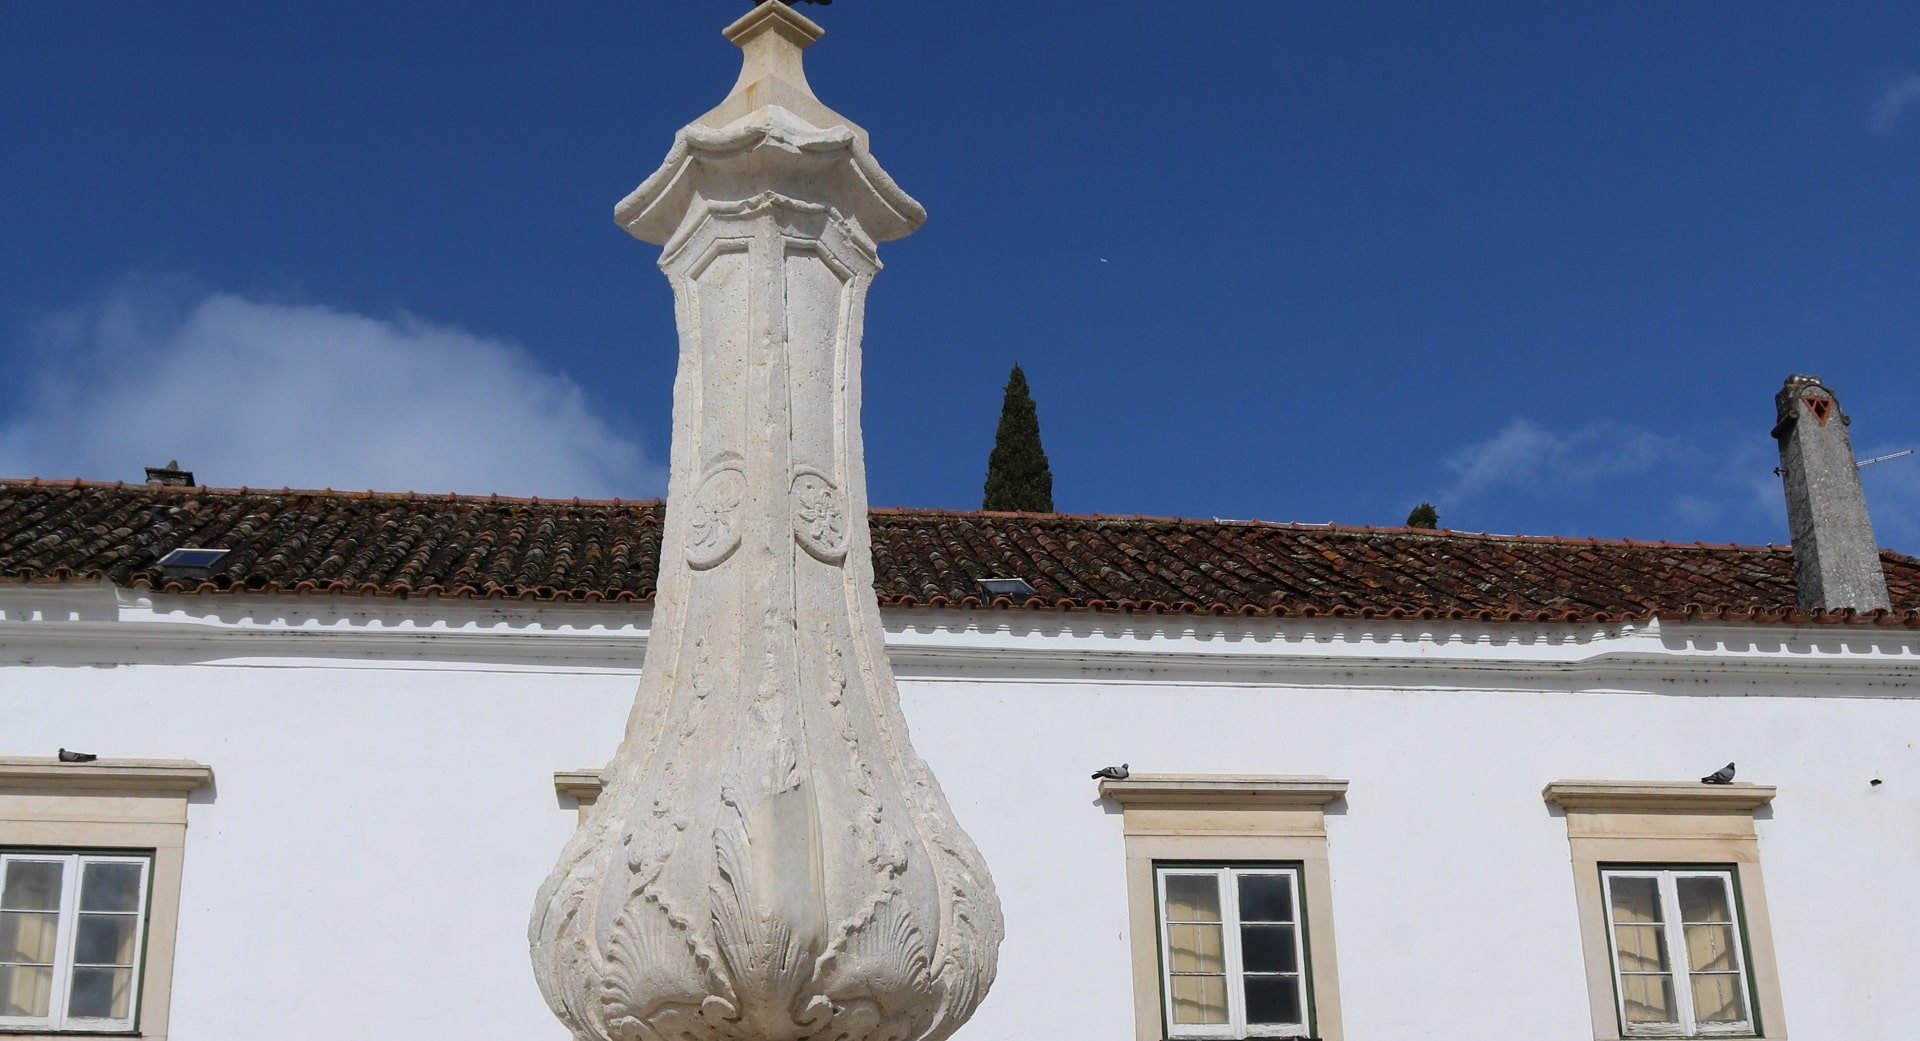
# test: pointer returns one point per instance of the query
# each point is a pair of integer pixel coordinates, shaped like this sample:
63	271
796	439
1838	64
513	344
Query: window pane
1268	948
1199	999
105	939
110	887
25	991
1266	898
1642	948
1719	998
1704	900
1195	948
1648	999
28	936
1710	948
1274	999
32	885
1193	898
100	993
1635	900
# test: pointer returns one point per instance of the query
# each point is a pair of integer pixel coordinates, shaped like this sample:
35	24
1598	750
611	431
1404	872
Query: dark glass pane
1636	901
1268	948
105	939
32	885
1704	900
1273	999
1266	898
110	887
100	993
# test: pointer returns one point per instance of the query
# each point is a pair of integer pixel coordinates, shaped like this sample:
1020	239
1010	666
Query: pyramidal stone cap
1836	559
770	134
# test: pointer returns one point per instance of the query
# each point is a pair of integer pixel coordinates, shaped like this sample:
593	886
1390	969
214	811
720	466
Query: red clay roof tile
402	544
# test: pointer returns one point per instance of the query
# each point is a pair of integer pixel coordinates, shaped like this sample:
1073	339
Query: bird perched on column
1111	773
1724	775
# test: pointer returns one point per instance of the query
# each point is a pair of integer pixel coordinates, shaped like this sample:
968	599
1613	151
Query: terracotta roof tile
574	550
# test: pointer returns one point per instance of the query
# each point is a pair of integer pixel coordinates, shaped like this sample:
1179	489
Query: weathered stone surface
771	860
1836	560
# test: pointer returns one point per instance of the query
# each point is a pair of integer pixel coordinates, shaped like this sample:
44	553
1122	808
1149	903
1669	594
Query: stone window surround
120	804
1666	823
1228	818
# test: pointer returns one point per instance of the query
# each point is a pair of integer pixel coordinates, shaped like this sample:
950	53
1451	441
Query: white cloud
1526	455
1899	95
248	392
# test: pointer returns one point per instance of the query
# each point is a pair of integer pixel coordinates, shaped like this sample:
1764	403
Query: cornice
100	625
1657	796
583	785
167	776
1246	791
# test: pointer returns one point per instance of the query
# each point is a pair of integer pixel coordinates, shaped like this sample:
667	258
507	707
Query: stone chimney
170	475
1836	561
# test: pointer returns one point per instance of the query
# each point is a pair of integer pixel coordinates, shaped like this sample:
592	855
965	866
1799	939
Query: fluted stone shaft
770	859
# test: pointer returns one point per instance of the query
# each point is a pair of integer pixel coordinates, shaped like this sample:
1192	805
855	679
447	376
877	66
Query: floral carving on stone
817	518
770	859
713	526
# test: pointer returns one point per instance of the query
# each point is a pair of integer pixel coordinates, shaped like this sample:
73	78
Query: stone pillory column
770	860
1836	560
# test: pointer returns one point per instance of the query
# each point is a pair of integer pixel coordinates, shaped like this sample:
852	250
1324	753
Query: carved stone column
770	860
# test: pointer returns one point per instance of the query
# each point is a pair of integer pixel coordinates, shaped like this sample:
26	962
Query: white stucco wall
384	806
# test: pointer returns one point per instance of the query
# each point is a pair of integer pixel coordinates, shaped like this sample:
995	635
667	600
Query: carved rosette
770	859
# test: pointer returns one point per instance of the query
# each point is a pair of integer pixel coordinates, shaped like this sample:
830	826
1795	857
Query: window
1672	907
1229	905
71	927
1701	991
1232	957
91	860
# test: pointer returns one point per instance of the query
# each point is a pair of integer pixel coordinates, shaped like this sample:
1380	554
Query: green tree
1018	477
1424	516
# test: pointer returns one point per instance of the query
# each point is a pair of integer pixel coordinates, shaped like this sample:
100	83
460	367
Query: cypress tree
1018	477
1424	516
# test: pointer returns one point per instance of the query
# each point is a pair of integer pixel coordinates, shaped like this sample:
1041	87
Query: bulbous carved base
770	860
620	958
782	904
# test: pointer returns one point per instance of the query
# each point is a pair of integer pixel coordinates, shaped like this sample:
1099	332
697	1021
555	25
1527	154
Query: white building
335	753
1385	786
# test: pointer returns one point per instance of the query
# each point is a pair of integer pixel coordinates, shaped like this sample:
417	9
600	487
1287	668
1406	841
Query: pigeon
1111	773
77	757
1724	775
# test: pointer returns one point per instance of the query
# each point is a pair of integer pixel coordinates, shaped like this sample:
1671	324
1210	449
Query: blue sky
1544	264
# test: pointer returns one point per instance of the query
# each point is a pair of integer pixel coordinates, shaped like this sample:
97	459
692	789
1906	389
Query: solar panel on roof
193	557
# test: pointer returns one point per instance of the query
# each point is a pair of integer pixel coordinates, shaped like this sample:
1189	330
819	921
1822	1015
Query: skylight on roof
192	558
1006	587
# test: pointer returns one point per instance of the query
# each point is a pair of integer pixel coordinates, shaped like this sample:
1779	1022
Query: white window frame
1666	881
1227	883
73	864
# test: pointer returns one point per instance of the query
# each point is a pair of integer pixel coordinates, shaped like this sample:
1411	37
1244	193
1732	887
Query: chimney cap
170	475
